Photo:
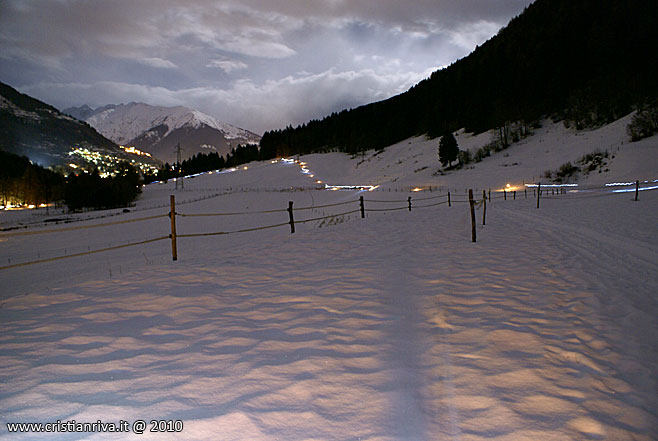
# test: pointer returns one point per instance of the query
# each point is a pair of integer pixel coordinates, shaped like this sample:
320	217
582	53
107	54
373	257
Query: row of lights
305	170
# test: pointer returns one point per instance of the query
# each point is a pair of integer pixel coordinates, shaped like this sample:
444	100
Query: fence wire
394	201
85	253
431	197
220	233
237	213
82	227
246	230
312	207
430	205
387	209
327	217
246	213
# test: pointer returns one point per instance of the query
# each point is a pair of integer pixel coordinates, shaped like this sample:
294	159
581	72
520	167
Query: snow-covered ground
393	327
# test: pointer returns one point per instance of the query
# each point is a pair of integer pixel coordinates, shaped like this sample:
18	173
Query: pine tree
448	149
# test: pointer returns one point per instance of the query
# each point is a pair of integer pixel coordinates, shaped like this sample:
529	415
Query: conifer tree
448	149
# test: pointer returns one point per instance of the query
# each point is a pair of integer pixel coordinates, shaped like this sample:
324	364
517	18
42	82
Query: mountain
586	61
158	130
83	112
31	128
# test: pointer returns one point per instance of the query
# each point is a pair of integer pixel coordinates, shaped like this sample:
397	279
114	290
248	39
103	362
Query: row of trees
89	190
24	183
203	162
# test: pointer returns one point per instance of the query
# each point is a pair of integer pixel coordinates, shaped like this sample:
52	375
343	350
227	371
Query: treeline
587	62
24	183
89	190
203	162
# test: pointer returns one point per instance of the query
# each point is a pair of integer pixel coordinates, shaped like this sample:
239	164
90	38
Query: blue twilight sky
256	64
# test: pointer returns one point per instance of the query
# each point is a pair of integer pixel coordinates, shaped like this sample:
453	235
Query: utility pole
179	178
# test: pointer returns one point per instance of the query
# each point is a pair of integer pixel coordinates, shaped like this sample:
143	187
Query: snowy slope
414	162
394	327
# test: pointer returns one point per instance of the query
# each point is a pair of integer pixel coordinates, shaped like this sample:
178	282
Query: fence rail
365	207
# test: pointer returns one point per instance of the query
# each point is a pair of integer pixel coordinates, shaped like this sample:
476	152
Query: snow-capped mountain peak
147	127
125	122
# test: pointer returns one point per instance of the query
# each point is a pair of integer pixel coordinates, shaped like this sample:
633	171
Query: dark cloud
256	64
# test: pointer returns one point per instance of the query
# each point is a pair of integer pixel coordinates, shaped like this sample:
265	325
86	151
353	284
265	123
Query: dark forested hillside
588	61
37	130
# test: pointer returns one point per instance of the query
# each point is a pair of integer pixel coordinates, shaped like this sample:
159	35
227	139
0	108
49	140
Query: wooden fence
364	206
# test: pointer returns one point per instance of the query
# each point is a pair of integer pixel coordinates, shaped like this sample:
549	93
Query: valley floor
395	327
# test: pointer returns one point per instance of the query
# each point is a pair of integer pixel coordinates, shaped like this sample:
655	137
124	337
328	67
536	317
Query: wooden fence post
292	218
409	200
484	213
637	190
172	215
505	193
514	194
538	193
472	204
363	207
449	204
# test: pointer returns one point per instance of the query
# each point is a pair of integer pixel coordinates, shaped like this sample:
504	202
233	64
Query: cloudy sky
258	64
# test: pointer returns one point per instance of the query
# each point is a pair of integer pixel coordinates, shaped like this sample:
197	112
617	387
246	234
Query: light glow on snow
630	190
351	187
510	187
551	185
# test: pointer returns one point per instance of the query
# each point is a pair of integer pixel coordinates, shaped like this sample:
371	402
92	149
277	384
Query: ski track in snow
394	327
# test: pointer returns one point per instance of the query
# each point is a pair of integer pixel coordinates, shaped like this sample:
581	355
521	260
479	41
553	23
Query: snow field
394	327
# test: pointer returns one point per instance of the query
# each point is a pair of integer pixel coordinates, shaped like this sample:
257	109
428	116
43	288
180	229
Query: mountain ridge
48	137
158	129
